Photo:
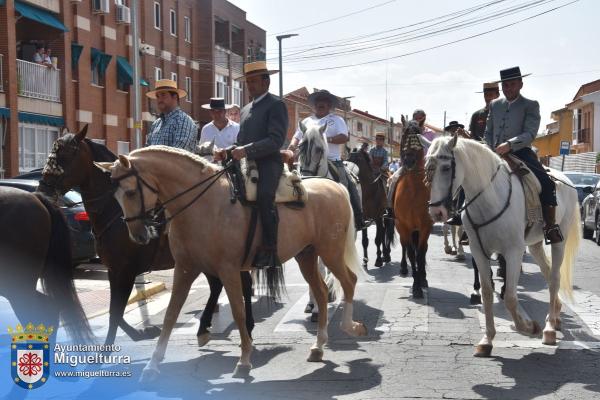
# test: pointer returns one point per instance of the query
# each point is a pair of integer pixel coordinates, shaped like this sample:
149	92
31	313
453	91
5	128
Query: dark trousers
548	195
352	190
269	172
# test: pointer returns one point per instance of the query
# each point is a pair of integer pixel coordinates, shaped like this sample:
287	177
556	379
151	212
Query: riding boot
552	233
359	221
266	255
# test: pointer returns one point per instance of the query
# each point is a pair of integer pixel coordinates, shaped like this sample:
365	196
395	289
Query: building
202	44
548	144
586	118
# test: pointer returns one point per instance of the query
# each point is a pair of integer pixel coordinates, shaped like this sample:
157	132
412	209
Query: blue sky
559	48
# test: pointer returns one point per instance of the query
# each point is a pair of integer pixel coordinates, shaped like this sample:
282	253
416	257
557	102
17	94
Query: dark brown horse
411	198
374	204
35	243
71	164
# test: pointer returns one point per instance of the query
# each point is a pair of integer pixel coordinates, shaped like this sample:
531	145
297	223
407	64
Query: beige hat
257	68
166	85
490	86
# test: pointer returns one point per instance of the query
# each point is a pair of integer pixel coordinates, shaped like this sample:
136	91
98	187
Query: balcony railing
38	81
583	135
237	63
1	75
221	57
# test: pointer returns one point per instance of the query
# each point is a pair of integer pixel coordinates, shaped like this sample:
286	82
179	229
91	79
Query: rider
221	130
512	125
379	155
336	135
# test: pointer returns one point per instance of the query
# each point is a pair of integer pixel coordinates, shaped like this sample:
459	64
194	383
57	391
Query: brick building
200	43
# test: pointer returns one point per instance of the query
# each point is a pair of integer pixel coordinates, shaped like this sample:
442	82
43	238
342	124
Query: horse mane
100	152
196	159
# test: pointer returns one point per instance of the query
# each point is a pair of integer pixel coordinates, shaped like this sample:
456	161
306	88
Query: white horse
495	221
455	232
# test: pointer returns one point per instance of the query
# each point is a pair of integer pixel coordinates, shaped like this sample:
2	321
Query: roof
587	88
366	114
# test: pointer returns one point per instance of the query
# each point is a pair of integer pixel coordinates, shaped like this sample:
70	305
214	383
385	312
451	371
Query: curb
148	291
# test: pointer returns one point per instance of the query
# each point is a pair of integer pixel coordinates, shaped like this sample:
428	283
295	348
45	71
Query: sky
559	48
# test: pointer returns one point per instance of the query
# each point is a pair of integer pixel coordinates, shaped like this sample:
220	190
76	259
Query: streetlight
279	39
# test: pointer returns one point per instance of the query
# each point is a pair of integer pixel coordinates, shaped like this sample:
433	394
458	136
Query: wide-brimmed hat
490	87
166	85
257	68
380	135
216	103
453	124
511	73
323	94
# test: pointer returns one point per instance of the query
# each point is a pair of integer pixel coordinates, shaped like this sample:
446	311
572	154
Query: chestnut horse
411	197
207	234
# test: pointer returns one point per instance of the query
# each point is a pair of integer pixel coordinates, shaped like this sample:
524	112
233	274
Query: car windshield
581	179
71	198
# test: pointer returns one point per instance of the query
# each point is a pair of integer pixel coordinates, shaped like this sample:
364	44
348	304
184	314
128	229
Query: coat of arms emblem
30	360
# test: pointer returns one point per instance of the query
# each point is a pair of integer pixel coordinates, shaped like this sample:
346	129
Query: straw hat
490	87
257	68
166	85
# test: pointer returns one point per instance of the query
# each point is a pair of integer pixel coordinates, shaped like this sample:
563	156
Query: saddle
531	189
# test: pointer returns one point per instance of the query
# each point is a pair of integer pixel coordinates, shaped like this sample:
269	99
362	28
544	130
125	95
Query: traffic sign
565	146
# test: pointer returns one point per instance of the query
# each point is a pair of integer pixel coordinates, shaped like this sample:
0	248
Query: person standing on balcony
40	56
173	127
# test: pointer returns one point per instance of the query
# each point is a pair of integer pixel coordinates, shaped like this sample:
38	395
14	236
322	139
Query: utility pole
444	120
137	109
279	39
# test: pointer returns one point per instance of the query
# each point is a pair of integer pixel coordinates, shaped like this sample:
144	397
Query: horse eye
445	168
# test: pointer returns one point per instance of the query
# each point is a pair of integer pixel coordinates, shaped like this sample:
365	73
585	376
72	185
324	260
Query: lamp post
279	39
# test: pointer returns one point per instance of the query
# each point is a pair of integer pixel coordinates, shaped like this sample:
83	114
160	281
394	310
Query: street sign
565	146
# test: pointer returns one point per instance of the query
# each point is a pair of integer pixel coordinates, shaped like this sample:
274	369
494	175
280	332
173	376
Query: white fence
38	81
582	162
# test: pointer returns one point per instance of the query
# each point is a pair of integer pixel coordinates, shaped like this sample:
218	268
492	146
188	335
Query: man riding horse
512	125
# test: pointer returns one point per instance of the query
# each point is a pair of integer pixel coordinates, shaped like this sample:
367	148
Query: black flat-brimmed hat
511	73
323	94
453	124
216	103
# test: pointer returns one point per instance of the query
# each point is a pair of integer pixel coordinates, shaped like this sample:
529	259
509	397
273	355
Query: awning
41	119
4	112
100	60
39	15
76	50
125	72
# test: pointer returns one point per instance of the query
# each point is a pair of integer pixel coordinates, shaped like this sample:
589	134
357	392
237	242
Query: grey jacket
517	124
263	128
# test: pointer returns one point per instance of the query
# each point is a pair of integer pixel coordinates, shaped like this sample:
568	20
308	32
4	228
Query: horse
412	219
204	228
71	164
456	249
374	203
494	217
35	244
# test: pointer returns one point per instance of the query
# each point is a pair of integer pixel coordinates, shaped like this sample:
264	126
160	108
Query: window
120	2
96	77
157	74
359	126
188	89
221	89
237	93
35	143
157	24
173	17
174	77
188	29
122	148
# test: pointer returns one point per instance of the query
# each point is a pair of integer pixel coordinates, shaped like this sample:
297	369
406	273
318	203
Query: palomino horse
410	207
374	204
71	164
35	243
494	219
324	228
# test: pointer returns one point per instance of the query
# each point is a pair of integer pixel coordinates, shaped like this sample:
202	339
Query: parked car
591	214
582	181
82	239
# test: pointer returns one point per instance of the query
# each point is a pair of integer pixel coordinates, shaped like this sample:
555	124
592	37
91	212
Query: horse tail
571	246
351	258
57	277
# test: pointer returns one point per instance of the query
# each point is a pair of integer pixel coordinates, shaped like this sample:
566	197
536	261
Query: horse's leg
413	252
307	260
182	282
476	295
539	254
233	287
484	347
365	244
457	232
388	237
447	248
502	273
422	254
513	270
203	335
553	318
379	242
121	281
247	292
403	263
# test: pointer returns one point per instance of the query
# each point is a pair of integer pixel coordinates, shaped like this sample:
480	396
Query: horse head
442	176
363	162
312	155
411	147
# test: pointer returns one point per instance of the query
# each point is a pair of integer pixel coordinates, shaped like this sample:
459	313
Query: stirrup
549	233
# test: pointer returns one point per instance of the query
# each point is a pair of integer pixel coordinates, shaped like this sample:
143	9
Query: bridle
447	200
306	150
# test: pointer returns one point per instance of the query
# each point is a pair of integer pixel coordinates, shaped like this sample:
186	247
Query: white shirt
335	126
259	98
223	138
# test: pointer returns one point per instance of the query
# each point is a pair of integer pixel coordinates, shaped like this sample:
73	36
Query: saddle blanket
290	187
532	189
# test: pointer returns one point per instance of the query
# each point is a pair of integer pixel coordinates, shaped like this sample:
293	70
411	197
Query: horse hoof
425	284
536	329
417	293
360	329
460	257
379	263
475	299
453	252
316	355
203	339
241	371
151	332
149	375
403	270
314	317
549	338
448	250
309	307
483	350
387	258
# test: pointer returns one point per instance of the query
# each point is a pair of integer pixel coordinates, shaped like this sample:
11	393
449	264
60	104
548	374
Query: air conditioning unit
123	15
101	6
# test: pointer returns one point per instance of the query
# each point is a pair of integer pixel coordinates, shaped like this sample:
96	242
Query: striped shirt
379	155
175	129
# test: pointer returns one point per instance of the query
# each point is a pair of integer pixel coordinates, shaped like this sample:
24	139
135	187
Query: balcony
221	57
38	81
237	64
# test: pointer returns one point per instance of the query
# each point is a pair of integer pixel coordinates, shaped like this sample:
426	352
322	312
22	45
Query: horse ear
104	166
403	120
124	161
302	127
454	140
82	133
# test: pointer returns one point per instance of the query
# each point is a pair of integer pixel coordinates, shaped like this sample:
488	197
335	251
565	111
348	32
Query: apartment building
202	44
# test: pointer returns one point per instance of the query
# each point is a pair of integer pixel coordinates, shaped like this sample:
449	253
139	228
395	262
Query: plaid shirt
176	129
381	153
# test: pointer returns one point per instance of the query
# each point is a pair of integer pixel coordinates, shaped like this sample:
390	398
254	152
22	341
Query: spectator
233	113
48	58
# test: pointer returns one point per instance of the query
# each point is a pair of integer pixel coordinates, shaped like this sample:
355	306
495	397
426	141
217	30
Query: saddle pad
532	189
290	188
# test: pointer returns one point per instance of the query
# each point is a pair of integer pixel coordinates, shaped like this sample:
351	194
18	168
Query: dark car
581	181
590	214
82	238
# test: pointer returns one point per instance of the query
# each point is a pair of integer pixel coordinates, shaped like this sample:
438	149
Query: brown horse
208	233
411	197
